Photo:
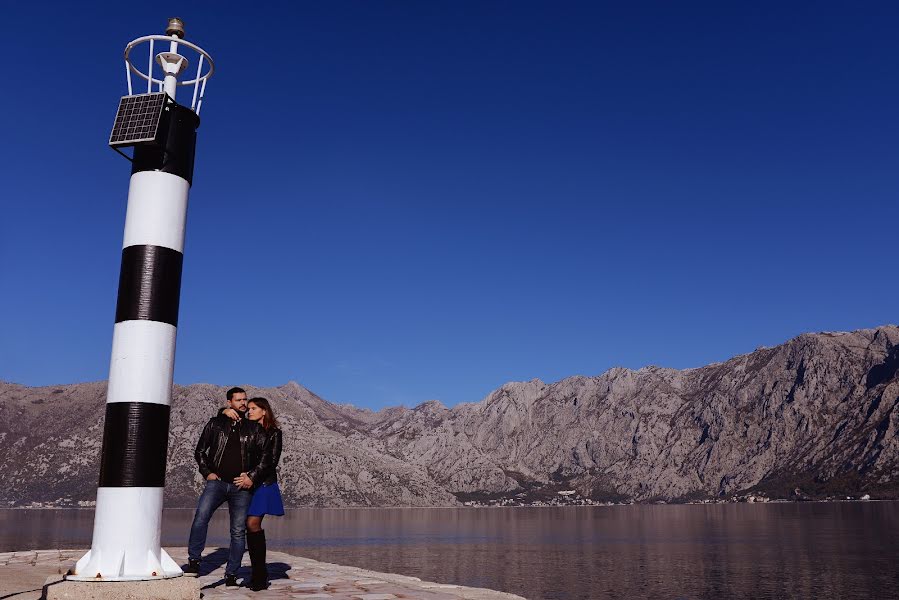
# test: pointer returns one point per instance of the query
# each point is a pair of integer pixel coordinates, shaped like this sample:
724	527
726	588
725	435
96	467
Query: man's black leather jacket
211	446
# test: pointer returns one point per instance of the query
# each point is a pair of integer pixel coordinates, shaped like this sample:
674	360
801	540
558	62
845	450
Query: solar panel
137	120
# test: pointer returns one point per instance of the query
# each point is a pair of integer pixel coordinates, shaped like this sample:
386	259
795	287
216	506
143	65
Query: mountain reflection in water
812	550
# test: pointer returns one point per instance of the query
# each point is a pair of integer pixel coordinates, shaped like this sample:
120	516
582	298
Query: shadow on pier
217	559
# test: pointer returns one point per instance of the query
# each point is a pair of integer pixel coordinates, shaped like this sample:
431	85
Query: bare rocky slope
813	417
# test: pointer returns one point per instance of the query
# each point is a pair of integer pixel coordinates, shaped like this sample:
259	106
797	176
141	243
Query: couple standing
238	453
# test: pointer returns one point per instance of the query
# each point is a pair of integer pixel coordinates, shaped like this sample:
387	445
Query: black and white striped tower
128	516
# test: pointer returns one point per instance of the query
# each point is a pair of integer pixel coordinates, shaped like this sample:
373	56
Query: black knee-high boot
256	547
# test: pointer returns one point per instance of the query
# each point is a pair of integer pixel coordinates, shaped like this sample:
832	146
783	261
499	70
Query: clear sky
402	201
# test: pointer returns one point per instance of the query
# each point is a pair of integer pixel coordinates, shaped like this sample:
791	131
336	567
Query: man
228	456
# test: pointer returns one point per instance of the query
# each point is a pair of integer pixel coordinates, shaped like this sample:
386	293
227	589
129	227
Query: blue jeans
214	495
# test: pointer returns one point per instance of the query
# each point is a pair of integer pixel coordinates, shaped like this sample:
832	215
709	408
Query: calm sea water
814	550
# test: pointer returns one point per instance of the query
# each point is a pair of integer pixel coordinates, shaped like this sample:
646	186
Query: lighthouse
161	134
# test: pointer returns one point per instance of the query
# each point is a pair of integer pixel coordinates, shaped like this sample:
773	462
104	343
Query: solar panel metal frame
138	119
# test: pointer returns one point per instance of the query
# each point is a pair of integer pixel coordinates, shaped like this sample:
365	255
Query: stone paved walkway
22	577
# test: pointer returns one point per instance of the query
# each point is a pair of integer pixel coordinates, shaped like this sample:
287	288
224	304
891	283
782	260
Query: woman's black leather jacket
211	446
271	454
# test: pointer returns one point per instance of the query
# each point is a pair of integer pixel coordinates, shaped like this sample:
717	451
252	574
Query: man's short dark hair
235	390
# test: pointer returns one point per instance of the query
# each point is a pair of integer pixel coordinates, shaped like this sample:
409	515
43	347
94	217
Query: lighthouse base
127	524
183	588
156	566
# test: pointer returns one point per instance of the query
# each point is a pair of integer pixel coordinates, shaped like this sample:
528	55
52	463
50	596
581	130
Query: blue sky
402	201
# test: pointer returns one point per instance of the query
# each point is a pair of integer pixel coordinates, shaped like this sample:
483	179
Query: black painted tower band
149	284
135	442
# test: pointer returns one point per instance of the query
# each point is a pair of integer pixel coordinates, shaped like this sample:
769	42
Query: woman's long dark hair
268	419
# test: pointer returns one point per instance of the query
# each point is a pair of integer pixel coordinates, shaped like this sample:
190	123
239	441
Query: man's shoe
230	581
192	568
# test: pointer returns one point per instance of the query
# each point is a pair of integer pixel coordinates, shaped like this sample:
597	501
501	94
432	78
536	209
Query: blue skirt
266	501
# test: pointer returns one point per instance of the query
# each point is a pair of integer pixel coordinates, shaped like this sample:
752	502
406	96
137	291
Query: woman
266	493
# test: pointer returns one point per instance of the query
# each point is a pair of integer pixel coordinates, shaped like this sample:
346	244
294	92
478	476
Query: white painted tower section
157	210
143	362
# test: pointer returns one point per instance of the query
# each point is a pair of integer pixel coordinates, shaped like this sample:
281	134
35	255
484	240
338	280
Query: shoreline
508	506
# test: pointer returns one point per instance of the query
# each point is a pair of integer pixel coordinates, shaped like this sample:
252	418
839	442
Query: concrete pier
37	574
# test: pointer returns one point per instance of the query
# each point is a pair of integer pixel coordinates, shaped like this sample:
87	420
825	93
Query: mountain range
814	417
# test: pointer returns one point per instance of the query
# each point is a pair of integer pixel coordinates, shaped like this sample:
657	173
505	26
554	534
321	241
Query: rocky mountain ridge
816	414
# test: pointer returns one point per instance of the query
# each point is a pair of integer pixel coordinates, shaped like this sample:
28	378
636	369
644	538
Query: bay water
804	550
